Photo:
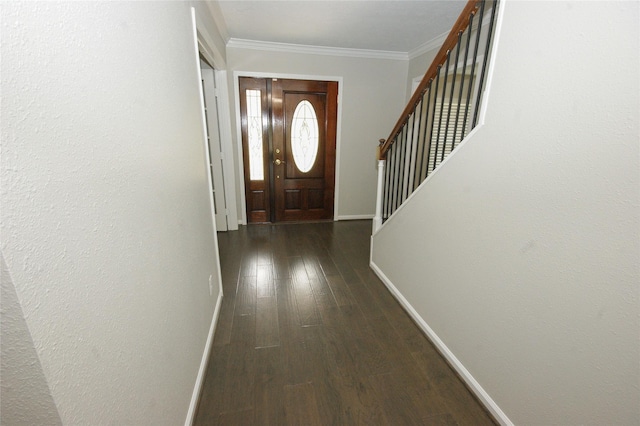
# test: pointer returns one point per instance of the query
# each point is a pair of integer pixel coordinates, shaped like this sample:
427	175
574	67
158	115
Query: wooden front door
289	148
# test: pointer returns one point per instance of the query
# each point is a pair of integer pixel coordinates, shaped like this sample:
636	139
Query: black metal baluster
385	199
409	148
451	95
395	175
390	167
407	160
402	152
442	99
428	128
433	115
423	131
417	118
464	75
419	145
484	65
473	64
396	170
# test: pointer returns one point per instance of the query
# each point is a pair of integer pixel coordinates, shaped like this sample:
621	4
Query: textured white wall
106	221
25	396
521	252
372	100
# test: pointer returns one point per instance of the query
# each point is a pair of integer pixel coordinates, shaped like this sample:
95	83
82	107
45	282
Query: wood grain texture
308	335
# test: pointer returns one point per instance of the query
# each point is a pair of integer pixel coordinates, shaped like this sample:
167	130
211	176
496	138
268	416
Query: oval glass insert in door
304	136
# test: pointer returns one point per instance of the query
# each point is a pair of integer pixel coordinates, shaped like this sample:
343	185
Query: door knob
278	161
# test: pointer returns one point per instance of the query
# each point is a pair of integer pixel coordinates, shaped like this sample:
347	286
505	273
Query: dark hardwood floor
308	335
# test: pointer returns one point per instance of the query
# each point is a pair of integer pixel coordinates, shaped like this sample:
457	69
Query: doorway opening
289	148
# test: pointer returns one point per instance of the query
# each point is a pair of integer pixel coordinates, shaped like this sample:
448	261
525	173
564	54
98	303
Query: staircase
444	108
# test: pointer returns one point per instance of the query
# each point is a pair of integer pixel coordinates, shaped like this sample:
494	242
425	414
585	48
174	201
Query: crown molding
316	50
437	42
434	43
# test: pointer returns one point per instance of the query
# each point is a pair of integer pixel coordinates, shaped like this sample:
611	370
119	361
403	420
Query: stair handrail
461	24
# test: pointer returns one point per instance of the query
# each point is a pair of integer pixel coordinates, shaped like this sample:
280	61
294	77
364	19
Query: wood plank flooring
308	335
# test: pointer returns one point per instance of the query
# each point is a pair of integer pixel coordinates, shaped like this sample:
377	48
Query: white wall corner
218	18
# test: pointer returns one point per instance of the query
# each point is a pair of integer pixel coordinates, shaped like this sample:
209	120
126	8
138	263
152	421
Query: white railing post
377	219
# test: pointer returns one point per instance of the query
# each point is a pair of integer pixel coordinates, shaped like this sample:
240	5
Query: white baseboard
197	390
471	382
355	216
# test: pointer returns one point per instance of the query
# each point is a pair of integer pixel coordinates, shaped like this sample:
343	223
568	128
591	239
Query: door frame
240	163
214	144
207	48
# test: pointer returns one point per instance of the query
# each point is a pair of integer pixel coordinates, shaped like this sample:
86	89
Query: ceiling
382	25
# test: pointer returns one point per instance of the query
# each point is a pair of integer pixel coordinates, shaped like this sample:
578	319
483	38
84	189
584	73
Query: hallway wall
521	251
106	222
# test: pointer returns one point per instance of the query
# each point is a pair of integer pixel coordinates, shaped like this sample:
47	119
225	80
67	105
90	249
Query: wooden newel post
377	219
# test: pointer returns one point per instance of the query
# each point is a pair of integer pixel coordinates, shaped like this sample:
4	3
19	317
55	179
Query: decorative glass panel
304	136
254	132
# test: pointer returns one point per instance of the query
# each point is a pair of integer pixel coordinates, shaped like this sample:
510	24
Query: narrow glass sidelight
254	132
304	136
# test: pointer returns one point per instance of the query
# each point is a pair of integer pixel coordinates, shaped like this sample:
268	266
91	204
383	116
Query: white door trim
214	144
208	49
226	144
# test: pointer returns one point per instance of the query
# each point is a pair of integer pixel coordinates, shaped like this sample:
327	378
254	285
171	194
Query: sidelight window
254	132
